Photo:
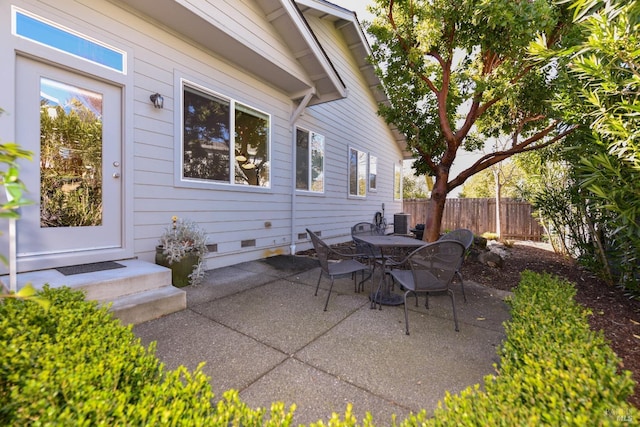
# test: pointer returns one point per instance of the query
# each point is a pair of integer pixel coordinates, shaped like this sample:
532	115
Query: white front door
73	125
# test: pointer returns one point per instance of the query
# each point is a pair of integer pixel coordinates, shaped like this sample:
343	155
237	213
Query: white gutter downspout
292	121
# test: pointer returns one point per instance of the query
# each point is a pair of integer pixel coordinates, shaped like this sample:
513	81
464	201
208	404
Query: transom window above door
223	141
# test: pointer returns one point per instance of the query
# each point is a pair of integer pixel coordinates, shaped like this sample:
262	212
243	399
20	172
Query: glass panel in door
70	155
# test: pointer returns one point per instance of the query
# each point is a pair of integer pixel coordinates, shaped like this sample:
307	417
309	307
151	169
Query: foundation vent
248	243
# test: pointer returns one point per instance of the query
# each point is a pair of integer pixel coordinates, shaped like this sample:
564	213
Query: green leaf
27	291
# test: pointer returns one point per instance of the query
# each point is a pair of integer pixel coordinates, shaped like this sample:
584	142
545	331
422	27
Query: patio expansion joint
339	378
293	356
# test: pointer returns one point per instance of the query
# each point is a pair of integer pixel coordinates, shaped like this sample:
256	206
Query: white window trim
15	11
366	186
179	180
372	189
397	169
309	171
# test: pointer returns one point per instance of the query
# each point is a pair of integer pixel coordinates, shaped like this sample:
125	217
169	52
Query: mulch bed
613	311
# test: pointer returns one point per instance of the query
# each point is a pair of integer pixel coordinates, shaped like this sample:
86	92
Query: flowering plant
184	237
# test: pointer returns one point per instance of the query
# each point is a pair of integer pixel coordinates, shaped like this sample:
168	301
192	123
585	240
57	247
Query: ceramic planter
180	270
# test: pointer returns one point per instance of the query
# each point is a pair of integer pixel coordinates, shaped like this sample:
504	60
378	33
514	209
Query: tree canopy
458	72
599	209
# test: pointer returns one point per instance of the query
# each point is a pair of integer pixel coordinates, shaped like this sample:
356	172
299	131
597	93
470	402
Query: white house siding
245	21
157	59
228	213
352	121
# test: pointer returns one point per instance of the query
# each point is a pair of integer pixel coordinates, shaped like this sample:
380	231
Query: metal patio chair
432	268
373	256
465	237
346	264
370	255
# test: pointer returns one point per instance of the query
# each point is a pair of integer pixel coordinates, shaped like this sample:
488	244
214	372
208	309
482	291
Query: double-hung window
309	161
373	173
357	173
223	141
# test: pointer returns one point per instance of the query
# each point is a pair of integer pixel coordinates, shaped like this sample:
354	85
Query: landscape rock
490	258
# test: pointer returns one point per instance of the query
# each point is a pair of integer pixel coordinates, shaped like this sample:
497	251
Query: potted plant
182	248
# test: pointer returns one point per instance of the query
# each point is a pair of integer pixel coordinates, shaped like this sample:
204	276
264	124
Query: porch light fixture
158	100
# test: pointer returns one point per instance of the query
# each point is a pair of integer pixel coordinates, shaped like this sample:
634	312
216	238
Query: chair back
322	250
461	235
436	263
365	229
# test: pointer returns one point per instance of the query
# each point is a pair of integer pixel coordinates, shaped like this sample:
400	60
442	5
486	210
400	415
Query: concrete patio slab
307	387
261	331
186	338
282	314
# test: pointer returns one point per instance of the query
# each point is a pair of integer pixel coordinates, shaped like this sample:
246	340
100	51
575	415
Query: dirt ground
613	312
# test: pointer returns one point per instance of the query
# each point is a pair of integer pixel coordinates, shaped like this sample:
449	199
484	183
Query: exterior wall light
158	100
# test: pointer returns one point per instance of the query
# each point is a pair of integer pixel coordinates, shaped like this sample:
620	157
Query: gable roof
218	27
311	77
347	22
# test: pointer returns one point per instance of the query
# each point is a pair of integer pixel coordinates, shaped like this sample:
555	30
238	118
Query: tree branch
424	155
492	158
407	50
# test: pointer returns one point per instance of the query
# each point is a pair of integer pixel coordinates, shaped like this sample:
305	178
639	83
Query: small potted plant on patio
182	248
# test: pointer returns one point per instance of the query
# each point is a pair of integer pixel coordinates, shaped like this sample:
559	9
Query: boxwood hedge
75	365
554	370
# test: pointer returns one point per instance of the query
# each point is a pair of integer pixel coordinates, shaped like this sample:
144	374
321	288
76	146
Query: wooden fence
479	216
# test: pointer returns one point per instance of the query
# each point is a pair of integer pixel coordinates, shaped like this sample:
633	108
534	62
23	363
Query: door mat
89	268
291	263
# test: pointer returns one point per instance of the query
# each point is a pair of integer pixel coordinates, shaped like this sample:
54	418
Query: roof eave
319	75
347	22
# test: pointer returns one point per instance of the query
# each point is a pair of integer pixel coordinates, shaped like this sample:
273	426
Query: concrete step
137	276
139	292
149	305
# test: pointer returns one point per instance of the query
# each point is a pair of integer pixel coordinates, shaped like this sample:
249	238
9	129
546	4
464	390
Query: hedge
554	370
75	365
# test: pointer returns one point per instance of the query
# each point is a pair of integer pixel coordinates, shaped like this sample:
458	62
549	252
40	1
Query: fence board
479	216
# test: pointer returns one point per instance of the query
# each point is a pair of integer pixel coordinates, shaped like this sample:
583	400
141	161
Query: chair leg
318	284
453	304
377	297
406	313
361	284
374	293
328	295
464	296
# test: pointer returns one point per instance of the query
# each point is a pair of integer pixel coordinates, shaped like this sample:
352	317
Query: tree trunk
435	209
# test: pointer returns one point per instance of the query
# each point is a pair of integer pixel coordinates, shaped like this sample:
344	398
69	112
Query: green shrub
489	235
553	369
76	365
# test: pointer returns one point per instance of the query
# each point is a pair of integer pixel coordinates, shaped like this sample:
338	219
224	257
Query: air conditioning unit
401	223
